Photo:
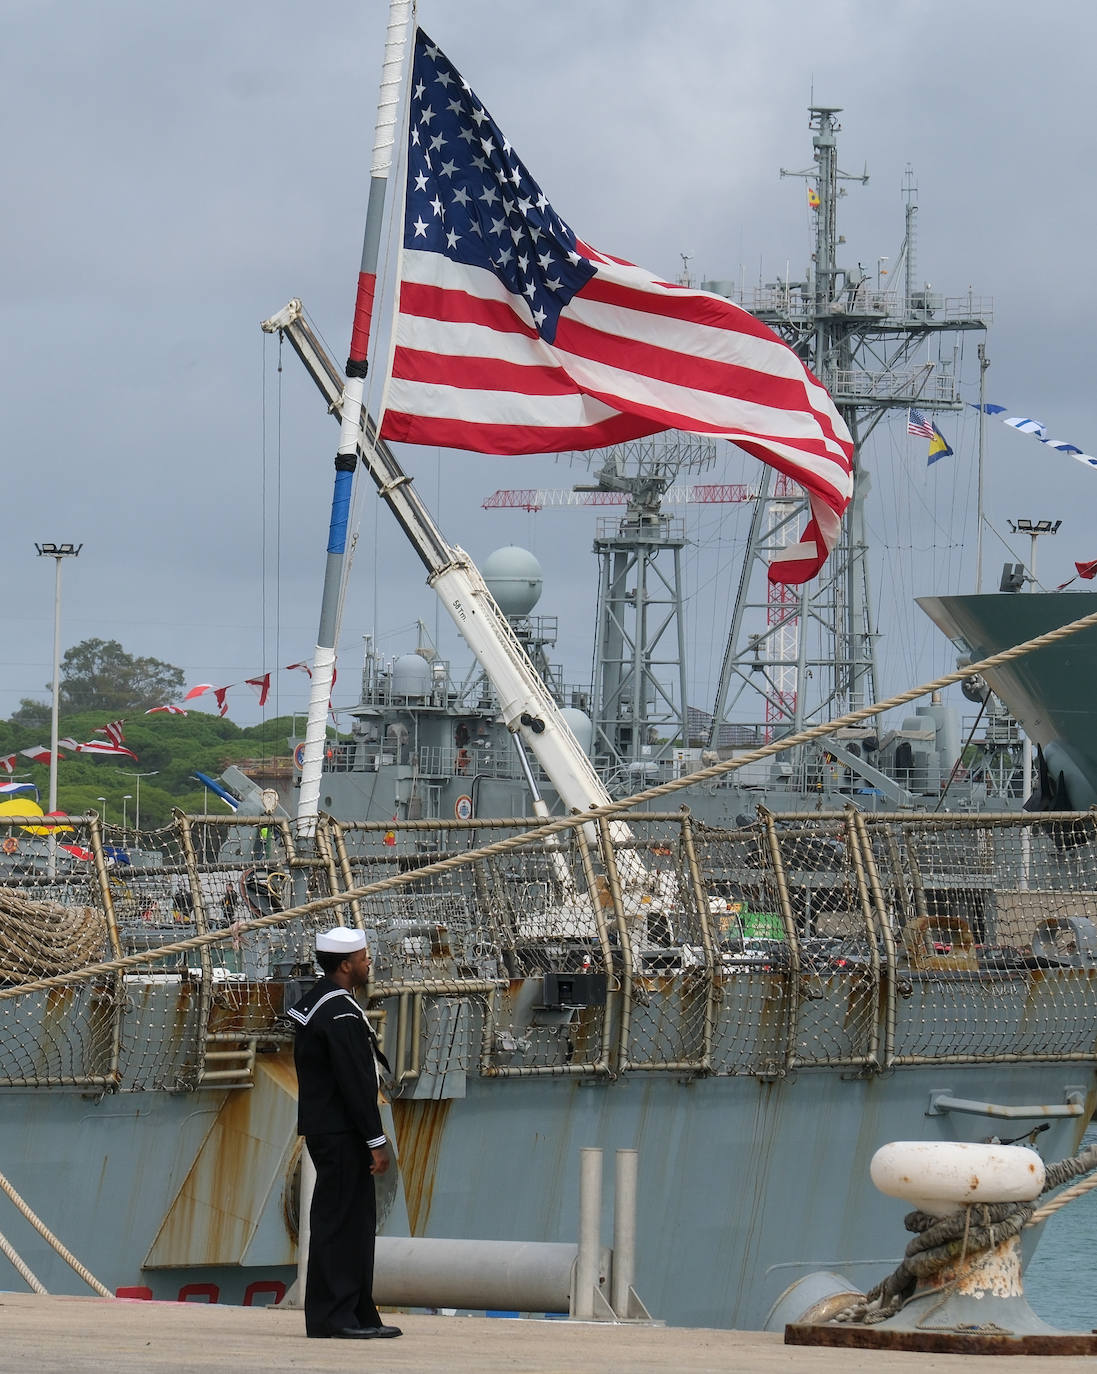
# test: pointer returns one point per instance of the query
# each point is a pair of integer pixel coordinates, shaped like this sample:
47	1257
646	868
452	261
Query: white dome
580	725
514	578
410	676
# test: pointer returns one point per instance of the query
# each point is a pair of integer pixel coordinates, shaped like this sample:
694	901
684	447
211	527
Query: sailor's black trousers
343	1225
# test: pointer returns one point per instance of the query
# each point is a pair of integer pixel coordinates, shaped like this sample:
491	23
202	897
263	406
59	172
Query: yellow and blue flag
938	446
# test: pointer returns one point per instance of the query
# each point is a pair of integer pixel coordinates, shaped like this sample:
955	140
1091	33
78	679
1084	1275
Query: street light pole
137	789
57	552
126	798
103	812
1034	529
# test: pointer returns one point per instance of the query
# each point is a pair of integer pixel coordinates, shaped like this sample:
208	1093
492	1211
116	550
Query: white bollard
590	1233
624	1231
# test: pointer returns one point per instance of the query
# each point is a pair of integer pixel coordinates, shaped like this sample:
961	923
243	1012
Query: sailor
337	1074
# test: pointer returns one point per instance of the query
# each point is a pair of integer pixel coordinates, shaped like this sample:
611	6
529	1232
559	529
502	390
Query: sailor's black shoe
363	1333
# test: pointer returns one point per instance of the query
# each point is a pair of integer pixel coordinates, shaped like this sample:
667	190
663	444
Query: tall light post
137	789
57	552
127	798
102	810
1034	529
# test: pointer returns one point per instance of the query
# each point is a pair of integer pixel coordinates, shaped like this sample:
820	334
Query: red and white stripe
632	355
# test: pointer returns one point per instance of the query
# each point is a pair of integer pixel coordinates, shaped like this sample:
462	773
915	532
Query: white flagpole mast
983	365
346	458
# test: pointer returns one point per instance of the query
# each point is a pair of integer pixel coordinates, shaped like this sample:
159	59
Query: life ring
10	845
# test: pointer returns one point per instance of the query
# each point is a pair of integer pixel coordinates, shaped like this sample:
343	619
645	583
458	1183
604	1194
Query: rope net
594	946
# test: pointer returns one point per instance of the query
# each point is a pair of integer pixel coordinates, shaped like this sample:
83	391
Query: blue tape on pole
340	512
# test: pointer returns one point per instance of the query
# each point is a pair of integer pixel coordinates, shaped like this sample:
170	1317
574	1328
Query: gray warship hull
787	998
1050	691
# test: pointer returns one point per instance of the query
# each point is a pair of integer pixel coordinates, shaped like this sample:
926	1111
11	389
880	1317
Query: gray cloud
174	174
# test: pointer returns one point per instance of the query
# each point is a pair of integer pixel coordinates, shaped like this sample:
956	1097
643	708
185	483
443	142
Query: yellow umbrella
14	806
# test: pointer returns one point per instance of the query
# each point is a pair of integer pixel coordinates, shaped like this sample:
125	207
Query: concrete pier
47	1335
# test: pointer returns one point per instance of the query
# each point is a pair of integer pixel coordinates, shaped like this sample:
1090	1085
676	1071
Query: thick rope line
324	904
44	1231
34	1283
855	717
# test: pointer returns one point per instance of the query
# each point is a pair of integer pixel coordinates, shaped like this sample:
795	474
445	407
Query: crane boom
527	707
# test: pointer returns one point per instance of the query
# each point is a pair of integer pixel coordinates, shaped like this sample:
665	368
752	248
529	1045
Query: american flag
918	424
513	336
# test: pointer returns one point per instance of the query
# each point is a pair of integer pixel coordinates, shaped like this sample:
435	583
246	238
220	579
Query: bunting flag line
261	685
8	764
171	710
1038	430
113	731
199	690
39	754
1087	571
101	747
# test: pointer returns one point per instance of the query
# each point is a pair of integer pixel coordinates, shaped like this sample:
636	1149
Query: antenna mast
863	341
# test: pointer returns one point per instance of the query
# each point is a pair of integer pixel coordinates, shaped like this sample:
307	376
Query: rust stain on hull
420	1128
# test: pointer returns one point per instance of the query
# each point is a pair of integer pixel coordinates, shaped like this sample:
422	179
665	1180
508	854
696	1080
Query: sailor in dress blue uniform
337	1074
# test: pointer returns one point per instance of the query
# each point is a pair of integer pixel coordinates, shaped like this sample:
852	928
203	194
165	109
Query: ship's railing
795	302
808	941
914	385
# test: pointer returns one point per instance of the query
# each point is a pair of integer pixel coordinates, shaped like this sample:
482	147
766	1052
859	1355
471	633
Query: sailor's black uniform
336	1056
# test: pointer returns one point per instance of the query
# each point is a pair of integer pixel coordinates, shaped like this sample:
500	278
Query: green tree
31	715
98	674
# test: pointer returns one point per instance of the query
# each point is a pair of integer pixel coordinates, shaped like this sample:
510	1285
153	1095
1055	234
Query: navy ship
754	998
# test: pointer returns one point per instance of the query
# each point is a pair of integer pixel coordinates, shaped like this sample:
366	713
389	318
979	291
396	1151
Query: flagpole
984	363
346	457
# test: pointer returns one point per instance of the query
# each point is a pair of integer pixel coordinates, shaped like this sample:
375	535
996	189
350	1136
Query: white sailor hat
340	940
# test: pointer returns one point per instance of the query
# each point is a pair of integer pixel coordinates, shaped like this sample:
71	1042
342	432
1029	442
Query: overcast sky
174	173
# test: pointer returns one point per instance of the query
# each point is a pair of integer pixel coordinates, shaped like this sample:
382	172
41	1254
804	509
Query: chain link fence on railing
644	943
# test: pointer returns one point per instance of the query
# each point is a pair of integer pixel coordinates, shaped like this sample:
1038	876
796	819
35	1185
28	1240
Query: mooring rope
34	1283
942	1241
44	1231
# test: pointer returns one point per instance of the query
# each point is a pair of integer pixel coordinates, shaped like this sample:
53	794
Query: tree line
101	682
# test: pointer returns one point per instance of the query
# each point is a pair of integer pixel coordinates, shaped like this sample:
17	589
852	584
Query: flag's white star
420	228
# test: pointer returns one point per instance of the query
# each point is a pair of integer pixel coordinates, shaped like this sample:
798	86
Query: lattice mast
864	341
639	696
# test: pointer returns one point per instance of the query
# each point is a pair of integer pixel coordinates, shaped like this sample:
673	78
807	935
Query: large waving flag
513	336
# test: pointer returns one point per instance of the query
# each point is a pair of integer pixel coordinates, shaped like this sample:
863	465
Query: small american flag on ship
918	424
